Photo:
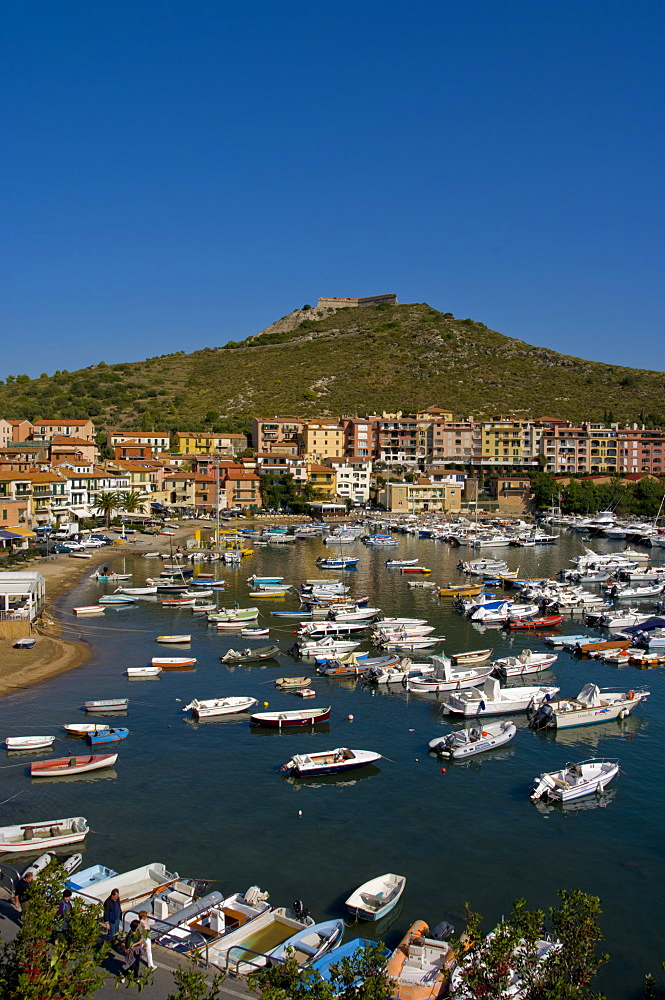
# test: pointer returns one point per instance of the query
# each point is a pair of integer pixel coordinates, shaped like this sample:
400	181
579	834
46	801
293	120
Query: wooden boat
253	632
173	662
89	609
584	648
335	668
420	965
374	899
134	886
138	591
329	762
270	593
472	656
107	705
292	683
28	742
198	608
175	639
29	837
592	705
235	615
71	765
284	720
250	655
211	707
309	944
575	780
107	736
460	590
468	742
549	621
83	728
265	579
423	570
138	672
401	562
26	643
178	602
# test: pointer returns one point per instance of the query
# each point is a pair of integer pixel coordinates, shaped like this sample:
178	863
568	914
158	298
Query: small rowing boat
286	720
173	662
329	762
28	742
138	672
89	609
174	639
107	705
71	765
376	898
211	707
33	837
107	736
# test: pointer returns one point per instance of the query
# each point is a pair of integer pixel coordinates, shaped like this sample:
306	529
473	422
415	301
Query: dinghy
374	899
89	609
176	639
107	705
519	666
88	877
26	643
309	944
28	742
117	599
420	965
254	632
476	739
83	728
107	736
472	656
575	780
29	837
173	662
138	672
285	720
211	707
134	886
549	621
250	655
329	762
60	766
292	683
137	591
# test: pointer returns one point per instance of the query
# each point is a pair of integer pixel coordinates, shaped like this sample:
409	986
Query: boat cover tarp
648	626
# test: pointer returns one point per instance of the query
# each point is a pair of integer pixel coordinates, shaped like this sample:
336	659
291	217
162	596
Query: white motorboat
592	705
448	678
412	643
107	705
374	899
491	699
137	591
246	947
29	837
28	742
89	609
326	647
336	761
476	739
636	593
186	924
134	886
575	780
527	662
399	673
207	708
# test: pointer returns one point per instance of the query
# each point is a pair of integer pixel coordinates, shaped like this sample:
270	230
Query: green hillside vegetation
377	358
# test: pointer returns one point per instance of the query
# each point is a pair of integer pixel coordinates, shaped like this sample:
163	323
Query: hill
348	361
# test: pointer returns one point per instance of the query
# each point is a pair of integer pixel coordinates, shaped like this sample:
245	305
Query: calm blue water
207	800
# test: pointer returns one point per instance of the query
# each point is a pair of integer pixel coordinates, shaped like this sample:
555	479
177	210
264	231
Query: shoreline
52	655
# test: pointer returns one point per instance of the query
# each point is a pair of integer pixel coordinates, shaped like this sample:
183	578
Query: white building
353	478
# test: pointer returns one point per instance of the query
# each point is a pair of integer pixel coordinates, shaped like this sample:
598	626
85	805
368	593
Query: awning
9	535
23	532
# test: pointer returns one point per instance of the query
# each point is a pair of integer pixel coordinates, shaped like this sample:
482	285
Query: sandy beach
53	654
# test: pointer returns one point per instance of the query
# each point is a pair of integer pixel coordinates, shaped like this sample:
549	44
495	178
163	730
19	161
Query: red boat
423	570
281	720
529	623
71	765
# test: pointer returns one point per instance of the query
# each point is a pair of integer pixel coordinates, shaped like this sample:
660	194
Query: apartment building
279	434
45	430
421	496
269	464
190	443
359	436
353	478
321	439
397	439
157	441
323	479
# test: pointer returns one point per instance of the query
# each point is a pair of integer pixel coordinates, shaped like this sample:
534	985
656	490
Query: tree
543	488
360	977
192	984
512	952
33	966
106	503
133	503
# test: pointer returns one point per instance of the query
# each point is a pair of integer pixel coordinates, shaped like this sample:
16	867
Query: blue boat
107	736
310	943
348	950
88	877
343	563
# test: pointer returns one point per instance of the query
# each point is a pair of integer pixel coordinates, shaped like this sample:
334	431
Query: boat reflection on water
64	779
195	722
591	736
320	727
339	780
577	805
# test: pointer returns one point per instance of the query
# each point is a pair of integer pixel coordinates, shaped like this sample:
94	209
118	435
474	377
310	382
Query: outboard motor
500	673
542	718
442	932
294	650
300	910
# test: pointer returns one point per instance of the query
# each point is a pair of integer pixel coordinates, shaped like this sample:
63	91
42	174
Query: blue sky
178	174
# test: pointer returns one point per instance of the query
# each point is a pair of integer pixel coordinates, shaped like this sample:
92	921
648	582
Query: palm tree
133	503
106	503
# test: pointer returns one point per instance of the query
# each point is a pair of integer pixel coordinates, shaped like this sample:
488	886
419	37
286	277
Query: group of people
135	944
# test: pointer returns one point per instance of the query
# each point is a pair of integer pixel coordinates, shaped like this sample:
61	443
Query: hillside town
53	471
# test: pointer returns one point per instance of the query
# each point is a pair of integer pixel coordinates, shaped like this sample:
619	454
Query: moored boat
27	837
28	742
292	683
592	705
107	705
549	621
211	707
89	609
309	944
176	639
138	672
575	780
134	886
284	720
71	765
374	899
330	762
173	662
107	736
476	739
250	655
420	965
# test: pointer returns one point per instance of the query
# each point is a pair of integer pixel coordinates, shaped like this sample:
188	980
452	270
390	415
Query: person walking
112	915
134	946
147	944
22	896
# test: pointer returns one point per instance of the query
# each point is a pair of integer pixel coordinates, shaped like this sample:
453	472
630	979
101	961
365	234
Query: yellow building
323	479
423	495
507	441
191	443
322	439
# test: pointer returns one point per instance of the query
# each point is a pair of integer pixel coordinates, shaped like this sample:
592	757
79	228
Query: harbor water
209	801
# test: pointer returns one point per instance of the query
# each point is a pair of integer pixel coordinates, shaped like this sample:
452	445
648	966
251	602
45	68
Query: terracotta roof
319	468
65	423
68	439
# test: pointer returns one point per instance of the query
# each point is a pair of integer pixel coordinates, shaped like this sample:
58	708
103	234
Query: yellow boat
460	590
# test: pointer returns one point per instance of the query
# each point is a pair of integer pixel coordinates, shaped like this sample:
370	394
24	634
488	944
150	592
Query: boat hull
71	765
287	720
